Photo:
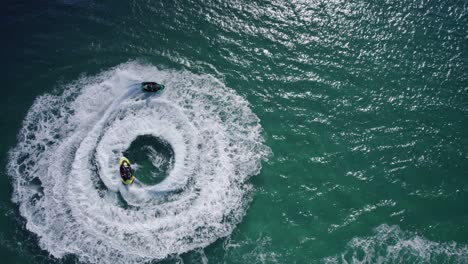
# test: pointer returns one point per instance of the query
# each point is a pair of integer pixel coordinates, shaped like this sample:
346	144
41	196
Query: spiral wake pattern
65	166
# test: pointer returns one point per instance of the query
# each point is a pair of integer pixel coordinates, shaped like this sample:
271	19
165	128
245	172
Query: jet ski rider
126	172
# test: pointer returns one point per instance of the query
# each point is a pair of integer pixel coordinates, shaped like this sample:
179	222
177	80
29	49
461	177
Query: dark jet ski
152	87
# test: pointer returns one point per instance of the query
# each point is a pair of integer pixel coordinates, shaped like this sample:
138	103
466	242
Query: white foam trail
70	145
390	244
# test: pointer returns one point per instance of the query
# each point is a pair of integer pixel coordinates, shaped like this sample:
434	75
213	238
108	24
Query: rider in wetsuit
126	172
152	86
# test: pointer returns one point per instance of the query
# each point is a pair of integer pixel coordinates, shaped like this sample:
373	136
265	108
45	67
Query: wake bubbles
65	166
390	244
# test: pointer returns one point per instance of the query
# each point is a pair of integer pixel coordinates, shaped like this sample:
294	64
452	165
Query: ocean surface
288	132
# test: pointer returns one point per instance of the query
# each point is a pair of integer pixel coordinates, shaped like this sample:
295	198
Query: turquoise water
299	132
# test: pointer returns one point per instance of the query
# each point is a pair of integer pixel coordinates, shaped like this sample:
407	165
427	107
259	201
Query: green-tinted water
154	159
364	106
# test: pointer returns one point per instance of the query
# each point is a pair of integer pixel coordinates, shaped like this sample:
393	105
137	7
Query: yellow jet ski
126	172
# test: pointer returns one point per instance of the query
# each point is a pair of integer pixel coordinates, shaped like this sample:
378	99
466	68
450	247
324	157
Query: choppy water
289	132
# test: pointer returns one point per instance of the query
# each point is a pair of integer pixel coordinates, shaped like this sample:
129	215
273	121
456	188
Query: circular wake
65	166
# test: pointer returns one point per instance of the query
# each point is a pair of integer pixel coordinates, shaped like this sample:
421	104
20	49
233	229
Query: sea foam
65	165
390	244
